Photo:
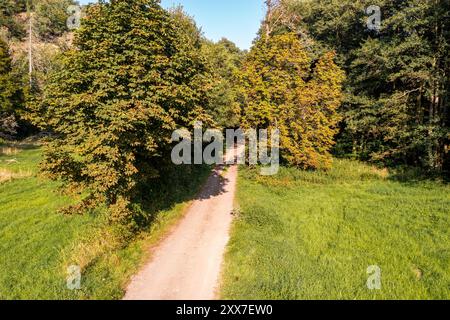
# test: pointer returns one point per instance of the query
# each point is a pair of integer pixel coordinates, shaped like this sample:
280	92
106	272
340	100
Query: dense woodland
110	94
396	108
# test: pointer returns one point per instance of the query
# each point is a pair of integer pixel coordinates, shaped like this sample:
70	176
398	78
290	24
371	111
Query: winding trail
186	265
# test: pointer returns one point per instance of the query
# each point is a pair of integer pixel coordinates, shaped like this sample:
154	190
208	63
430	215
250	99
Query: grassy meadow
313	235
297	235
38	244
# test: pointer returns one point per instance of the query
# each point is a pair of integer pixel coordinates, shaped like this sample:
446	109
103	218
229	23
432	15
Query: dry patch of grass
286	182
7	175
381	173
9	151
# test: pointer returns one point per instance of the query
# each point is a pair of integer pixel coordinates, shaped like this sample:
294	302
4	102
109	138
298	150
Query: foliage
10	94
8	11
7	88
186	25
130	80
47	20
51	17
286	88
312	236
398	86
225	61
37	244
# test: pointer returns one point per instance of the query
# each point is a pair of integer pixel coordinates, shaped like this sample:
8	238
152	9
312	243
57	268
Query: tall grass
313	235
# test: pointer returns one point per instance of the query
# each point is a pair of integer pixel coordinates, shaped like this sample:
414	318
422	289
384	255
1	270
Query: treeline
111	93
396	107
136	72
40	27
132	75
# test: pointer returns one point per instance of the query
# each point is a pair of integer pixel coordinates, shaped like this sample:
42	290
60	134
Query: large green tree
130	80
224	59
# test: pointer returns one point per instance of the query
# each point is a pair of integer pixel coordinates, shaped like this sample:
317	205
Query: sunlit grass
312	235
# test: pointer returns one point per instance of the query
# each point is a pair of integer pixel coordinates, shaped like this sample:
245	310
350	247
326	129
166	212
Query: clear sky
237	20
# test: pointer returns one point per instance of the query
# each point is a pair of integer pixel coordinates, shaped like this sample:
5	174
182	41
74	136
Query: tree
10	94
186	26
224	59
279	18
8	11
396	109
286	88
130	80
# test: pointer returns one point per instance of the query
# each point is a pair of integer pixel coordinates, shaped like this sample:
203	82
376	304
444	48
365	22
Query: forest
90	97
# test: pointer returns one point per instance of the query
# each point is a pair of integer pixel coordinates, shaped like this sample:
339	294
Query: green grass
37	244
312	235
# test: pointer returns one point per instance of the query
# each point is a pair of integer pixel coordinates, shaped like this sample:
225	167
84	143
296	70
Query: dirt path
187	264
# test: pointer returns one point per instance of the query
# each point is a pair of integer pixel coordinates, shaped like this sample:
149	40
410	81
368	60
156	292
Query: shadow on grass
412	175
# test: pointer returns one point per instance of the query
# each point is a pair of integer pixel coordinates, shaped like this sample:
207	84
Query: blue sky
237	20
